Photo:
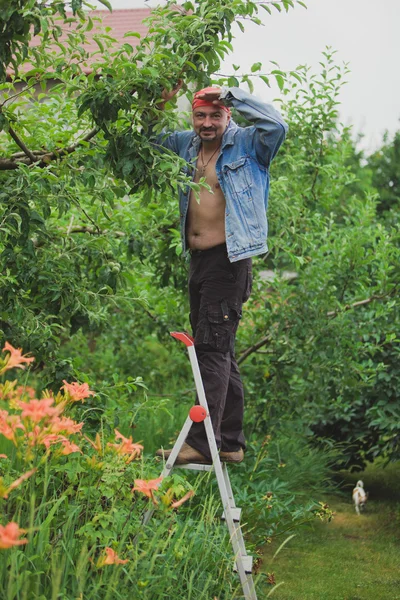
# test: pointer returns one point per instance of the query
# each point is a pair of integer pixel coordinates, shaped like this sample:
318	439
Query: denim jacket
242	169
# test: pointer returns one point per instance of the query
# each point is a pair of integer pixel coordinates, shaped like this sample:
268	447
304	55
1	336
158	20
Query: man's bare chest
206	171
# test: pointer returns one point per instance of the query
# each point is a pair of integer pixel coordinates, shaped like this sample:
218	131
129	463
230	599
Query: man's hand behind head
210	96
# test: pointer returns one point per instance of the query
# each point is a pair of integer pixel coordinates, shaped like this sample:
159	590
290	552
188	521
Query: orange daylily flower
36	436
147	487
50	438
69	447
111	558
9	424
186	497
36	410
53	438
3	456
4	492
9	535
27	390
127	446
16	359
77	391
65	424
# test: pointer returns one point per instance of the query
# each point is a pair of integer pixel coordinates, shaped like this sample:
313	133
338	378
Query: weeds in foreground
72	508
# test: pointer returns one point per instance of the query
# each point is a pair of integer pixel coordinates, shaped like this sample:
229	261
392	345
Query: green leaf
106	4
192	65
256	67
280	81
267	8
250	84
296	76
100	45
233	82
44	25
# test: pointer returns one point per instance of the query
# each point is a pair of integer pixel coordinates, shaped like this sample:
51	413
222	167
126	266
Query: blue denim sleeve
269	130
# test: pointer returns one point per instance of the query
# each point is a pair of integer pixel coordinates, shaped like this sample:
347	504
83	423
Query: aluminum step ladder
231	513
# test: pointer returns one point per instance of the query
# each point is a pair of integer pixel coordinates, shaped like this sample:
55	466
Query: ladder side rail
228	485
177	447
211	437
197	377
234	531
233	505
212	444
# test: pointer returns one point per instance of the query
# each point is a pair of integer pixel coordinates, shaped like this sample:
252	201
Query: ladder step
192	467
247	562
236	512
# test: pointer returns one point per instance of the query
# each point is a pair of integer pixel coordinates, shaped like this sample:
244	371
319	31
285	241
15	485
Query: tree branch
37	153
21	144
84	229
334	313
253	348
331	313
25	89
85	138
41	157
244	75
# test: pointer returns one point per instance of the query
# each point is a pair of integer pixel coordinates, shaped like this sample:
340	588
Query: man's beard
208	133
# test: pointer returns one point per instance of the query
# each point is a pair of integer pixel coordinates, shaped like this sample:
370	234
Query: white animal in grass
359	497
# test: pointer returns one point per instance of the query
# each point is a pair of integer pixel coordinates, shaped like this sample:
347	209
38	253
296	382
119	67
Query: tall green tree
71	152
384	165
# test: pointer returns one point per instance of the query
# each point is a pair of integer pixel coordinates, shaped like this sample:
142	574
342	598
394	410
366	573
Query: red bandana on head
201	102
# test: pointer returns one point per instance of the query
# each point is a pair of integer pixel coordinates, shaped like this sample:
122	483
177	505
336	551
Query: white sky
365	34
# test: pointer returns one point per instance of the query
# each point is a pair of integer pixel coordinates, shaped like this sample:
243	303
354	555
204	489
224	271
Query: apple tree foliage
70	144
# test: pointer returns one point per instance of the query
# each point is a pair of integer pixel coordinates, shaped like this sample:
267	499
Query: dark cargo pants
217	291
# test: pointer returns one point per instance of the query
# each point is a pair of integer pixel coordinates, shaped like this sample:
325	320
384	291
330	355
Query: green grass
351	558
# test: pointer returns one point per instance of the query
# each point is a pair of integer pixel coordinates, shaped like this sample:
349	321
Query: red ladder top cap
187	339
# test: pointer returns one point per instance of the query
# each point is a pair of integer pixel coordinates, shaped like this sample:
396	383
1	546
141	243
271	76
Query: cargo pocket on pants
223	320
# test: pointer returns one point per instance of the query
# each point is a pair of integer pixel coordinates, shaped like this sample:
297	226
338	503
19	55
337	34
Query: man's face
210	122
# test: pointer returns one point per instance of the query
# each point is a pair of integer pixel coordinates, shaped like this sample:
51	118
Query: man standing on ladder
223	226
